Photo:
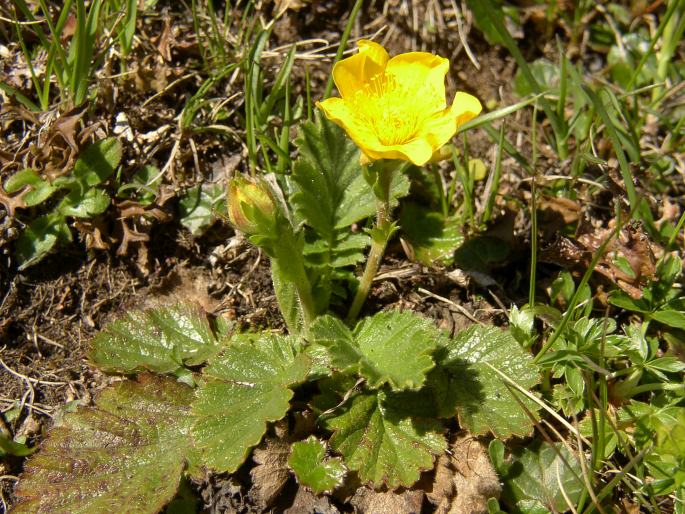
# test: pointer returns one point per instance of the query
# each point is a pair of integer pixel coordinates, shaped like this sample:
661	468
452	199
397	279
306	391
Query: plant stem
291	264
378	244
304	293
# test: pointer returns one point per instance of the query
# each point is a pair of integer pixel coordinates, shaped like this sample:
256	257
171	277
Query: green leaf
538	473
39	238
327	166
10	447
288	302
433	236
475	360
675	319
382	442
40	189
389	348
199	205
91	203
308	461
243	389
545	72
125	454
479	253
330	193
97	162
145	184
624	301
161	340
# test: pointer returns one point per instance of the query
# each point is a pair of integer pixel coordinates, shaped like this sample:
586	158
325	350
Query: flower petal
440	128
338	111
465	107
352	73
422	75
418	151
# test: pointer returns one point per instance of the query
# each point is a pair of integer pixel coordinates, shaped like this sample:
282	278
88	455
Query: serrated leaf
326	167
484	401
125	454
286	296
162	340
198	206
245	387
382	442
308	461
433	236
538	473
330	192
388	348
349	249
97	162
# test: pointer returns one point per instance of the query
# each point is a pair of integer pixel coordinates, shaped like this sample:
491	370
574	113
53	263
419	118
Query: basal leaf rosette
395	108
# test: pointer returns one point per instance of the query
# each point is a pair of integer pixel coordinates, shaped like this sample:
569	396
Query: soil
49	312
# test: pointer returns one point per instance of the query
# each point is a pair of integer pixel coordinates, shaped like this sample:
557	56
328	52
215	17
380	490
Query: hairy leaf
39	188
381	440
161	340
245	387
125	454
308	461
328	164
40	237
390	347
330	193
86	204
483	399
288	302
97	162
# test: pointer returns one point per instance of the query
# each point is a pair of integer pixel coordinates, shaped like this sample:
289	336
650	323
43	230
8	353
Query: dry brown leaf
163	46
556	213
283	5
368	501
306	501
271	472
12	203
464	479
633	245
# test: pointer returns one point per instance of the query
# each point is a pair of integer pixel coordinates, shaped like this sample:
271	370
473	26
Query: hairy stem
378	244
291	264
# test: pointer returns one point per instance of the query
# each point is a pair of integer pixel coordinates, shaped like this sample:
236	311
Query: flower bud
251	206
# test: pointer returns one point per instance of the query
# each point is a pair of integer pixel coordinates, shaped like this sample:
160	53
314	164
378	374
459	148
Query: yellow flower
395	108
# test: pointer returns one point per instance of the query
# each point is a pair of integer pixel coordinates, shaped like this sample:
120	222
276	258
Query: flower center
390	109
